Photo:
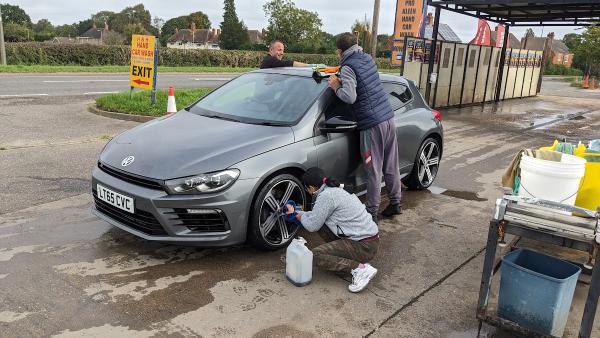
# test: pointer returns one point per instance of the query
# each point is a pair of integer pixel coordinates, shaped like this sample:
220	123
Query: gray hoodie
342	212
347	92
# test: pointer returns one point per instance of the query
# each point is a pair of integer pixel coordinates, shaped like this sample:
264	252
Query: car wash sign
144	58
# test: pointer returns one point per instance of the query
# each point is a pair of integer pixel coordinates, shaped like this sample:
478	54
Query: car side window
337	107
398	94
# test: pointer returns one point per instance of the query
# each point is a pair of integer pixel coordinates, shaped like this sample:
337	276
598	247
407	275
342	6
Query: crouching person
351	236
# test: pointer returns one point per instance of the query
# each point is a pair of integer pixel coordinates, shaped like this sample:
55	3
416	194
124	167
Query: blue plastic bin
536	291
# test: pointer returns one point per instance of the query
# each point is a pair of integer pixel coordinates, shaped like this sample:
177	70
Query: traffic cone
586	82
171	106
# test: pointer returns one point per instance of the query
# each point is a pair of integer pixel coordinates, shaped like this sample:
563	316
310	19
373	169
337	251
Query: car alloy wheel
426	165
270	229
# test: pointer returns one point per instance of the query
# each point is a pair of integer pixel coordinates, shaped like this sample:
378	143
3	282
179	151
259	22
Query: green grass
113	69
139	104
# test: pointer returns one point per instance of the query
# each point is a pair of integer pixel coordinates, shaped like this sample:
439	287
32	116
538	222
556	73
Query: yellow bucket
589	191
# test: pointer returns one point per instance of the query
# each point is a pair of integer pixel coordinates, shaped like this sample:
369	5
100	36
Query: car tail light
437	115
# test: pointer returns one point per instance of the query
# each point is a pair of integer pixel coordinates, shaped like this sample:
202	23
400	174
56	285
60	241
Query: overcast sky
337	15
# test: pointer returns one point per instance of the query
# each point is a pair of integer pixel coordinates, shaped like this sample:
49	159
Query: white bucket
551	180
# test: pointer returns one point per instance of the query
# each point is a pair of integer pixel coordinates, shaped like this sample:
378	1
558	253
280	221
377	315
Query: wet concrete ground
65	273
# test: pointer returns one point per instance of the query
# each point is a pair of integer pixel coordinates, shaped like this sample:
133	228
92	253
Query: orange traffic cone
171	106
586	82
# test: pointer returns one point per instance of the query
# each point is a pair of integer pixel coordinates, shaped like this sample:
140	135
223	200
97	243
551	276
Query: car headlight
205	183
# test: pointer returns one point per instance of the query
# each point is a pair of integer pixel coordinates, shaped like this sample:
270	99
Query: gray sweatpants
379	149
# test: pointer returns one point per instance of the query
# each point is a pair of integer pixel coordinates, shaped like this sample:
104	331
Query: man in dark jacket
275	57
360	86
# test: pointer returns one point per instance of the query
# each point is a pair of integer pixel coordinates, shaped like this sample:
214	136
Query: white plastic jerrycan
298	262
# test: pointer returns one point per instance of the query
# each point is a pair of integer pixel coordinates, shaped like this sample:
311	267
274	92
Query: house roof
199	36
255	36
538	43
513	41
445	33
93	33
559	47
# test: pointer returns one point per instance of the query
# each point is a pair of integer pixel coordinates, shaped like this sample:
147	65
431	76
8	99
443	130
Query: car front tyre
268	229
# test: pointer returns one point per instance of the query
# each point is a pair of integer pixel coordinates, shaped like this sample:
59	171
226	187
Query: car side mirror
337	124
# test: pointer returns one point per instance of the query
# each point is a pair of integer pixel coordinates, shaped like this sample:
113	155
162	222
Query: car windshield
262	98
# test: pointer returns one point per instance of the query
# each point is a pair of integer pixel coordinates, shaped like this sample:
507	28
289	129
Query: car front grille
142	220
200	220
131	178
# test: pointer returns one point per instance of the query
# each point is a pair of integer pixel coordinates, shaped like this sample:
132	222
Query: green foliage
83	26
233	31
362	30
551	69
103	16
131	29
95	55
588	50
299	29
15	14
14	32
43	30
530	33
66	30
139	104
183	22
572	40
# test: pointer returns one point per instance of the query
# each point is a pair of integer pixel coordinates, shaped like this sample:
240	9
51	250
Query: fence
468	73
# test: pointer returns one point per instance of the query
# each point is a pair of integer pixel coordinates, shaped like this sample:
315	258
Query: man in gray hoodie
351	236
359	86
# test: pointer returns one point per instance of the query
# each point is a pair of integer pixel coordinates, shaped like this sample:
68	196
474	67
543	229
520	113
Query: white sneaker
361	277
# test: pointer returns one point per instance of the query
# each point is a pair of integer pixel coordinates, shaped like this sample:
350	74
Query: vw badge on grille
127	161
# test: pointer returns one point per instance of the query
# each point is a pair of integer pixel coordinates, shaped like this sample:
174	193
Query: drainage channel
573	116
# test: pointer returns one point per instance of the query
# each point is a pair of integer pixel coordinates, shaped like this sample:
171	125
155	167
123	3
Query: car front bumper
218	219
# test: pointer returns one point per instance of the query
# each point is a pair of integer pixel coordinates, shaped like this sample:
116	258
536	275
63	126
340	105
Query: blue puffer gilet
371	106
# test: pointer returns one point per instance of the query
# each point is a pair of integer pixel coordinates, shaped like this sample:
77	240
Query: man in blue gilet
359	85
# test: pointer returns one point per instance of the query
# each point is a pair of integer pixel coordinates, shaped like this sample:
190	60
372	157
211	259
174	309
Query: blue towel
291	217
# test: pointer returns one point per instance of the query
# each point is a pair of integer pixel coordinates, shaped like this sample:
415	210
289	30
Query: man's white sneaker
361	277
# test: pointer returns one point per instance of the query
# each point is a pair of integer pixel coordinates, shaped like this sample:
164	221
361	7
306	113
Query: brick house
556	50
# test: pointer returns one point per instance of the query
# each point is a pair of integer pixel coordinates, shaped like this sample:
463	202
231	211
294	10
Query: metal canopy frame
515	13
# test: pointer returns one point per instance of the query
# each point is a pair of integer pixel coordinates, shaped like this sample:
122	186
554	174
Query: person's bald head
276	49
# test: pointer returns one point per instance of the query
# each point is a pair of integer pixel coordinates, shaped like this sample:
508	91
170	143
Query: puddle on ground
465	195
578	117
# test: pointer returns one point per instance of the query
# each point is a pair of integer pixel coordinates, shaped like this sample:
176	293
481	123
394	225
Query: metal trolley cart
551	223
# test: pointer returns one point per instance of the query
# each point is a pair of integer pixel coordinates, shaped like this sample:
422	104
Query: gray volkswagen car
218	172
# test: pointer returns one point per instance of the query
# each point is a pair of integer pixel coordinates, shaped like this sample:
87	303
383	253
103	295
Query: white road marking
211	78
92	93
89	80
23	95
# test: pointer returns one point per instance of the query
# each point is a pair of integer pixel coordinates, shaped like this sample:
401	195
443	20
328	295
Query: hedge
552	69
34	53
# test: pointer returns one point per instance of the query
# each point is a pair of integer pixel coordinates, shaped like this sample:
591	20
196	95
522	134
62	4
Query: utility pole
2	49
374	29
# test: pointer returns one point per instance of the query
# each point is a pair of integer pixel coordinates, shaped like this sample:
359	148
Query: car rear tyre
268	229
426	165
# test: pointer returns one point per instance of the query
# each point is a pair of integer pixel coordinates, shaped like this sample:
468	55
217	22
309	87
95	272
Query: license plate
114	198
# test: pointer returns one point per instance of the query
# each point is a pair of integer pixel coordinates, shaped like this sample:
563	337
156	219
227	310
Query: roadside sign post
2	47
142	71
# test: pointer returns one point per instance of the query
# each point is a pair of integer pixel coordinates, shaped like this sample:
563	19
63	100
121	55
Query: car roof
307	72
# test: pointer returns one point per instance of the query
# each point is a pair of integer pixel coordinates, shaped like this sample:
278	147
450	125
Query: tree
137	14
234	33
113	38
589	50
103	16
530	33
182	22
362	30
14	32
83	26
43	30
572	40
66	30
200	19
298	28
131	29
15	14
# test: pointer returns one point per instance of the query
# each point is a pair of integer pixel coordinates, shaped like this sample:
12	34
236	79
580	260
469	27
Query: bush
552	69
32	53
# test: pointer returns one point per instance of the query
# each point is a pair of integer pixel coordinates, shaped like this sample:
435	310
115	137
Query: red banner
484	32
499	35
